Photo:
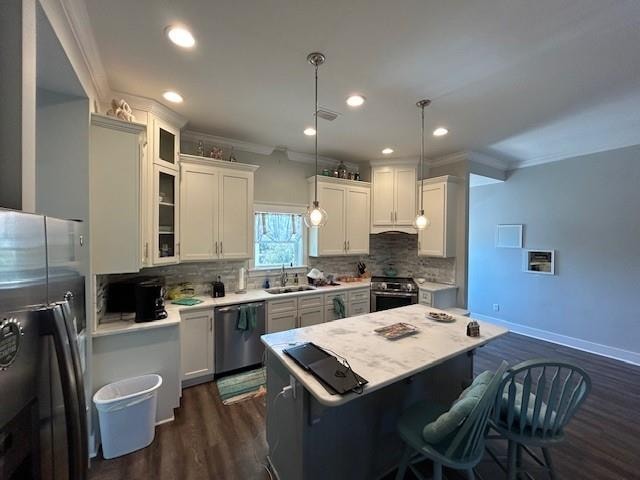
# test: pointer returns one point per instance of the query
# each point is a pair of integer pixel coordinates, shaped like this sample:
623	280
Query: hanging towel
338	307
247	317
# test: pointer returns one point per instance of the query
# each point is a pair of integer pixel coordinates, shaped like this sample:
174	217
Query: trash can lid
127	388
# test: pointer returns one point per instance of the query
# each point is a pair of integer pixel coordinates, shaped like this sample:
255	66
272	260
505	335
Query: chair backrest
469	440
558	388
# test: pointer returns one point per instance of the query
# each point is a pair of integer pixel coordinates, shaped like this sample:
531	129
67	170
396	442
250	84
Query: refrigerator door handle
55	324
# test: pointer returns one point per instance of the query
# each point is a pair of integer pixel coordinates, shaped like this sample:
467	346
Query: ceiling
525	81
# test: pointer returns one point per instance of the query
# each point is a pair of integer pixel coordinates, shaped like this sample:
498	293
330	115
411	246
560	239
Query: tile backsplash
398	250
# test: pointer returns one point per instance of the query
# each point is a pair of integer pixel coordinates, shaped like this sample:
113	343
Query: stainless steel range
392	292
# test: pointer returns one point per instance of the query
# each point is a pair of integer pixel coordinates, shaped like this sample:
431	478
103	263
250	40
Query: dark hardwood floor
211	441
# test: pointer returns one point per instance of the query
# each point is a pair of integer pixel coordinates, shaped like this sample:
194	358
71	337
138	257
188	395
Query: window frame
288	208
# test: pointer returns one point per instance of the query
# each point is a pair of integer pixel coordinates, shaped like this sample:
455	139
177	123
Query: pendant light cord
422	164
316	136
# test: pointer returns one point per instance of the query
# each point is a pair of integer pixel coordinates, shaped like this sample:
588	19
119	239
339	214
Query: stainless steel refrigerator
43	415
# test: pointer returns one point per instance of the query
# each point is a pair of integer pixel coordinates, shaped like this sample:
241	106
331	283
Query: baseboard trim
626	356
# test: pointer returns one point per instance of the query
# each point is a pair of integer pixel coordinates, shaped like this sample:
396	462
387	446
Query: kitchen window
279	237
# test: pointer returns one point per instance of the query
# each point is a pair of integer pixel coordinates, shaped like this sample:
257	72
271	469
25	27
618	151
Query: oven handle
394	294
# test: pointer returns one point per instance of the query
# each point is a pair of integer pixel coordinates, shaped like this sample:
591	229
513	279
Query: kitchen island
315	435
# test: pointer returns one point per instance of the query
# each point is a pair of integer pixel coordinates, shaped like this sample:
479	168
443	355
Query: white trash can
127	412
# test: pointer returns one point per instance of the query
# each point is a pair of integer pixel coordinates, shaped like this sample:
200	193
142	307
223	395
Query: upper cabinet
216	209
166	215
440	207
347	204
166	144
116	160
393	198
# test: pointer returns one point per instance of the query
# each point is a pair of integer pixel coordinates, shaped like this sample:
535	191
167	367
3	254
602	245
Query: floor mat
242	386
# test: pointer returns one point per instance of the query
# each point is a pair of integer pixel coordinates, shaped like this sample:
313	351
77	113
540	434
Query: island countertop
380	361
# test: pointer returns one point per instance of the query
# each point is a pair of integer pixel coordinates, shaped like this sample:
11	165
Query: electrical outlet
496	307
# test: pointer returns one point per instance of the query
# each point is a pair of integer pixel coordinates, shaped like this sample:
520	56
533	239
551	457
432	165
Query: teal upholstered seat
460	443
535	400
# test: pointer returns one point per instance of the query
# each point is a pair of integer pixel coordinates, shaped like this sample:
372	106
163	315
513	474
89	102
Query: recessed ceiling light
181	37
173	97
387	151
310	131
355	100
440	131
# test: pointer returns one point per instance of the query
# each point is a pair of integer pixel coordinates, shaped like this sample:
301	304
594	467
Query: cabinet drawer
359	295
426	298
311	316
358	308
309	301
328	298
283	305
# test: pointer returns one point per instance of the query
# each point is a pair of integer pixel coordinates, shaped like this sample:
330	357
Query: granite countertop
118	324
381	361
435	287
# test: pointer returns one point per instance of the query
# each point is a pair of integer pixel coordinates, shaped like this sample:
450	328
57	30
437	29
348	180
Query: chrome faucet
284	277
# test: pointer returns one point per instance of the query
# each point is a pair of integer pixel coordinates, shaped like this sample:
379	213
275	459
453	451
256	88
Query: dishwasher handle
237	308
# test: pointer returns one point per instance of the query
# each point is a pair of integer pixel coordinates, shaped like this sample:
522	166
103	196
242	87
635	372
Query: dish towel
338	307
247	317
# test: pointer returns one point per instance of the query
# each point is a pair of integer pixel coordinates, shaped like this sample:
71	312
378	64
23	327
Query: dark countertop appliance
392	292
217	288
142	295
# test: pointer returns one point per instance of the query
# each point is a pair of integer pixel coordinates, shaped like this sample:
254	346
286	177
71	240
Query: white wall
588	210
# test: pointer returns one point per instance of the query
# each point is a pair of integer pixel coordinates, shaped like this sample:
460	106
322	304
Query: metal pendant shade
421	221
316	216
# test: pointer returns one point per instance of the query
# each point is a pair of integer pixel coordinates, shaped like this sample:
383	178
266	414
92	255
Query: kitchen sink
281	290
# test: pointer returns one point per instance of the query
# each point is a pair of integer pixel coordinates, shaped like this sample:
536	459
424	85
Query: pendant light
421	222
316	216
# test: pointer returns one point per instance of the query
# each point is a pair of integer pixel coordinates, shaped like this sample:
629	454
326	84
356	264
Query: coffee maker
149	302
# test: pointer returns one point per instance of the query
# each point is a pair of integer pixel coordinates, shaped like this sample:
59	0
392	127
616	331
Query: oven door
387	300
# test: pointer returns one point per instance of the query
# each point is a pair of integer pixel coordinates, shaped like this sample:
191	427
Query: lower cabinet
359	308
196	345
439	298
279	322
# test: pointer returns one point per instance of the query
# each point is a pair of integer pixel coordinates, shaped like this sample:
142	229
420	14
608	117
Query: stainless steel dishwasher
236	348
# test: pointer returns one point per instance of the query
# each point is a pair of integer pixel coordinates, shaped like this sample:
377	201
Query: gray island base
315	435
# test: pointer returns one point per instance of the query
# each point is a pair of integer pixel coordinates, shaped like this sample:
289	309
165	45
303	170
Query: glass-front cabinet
166	222
165	144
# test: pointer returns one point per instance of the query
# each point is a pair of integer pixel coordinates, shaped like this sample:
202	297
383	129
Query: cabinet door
330	314
115	200
166	143
311	316
358	308
431	240
383	196
405	195
279	322
196	344
166	225
236	214
357	221
199	219
331	237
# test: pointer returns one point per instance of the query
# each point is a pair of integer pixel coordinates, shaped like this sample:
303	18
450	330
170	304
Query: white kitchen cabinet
196	345
310	316
438	297
358	302
440	206
393	197
347	204
199	219
279	322
116	158
166	143
166	215
217	210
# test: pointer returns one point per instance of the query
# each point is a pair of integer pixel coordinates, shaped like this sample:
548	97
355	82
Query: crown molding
239	145
384	162
117	124
322	161
471	157
213	162
77	18
152	106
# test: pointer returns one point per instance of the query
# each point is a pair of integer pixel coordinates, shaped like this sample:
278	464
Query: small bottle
266	283
295	279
